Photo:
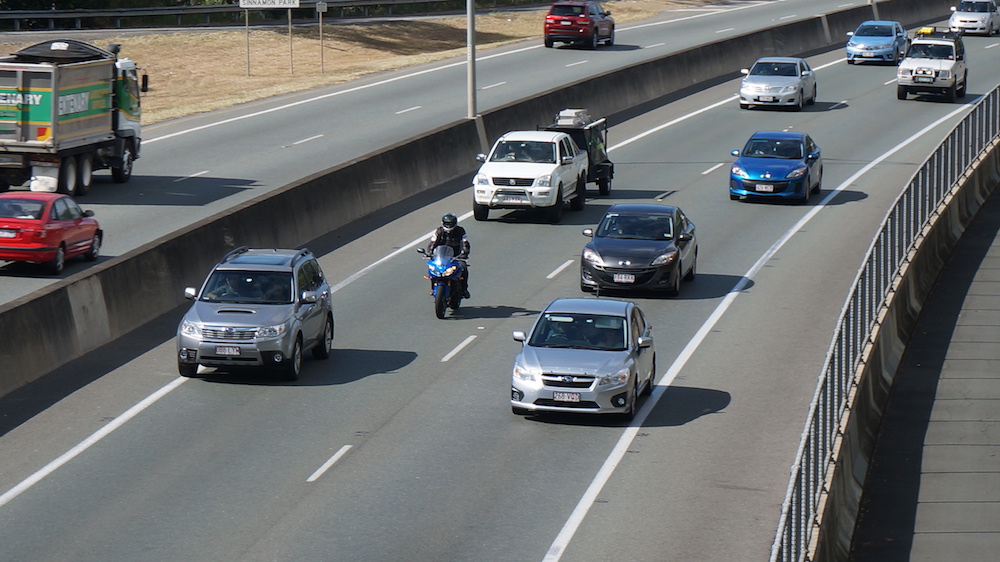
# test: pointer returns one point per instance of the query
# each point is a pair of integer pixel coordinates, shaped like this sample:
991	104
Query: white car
778	81
934	64
975	16
531	170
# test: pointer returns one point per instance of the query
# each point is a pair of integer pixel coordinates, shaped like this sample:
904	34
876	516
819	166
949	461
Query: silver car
257	309
778	81
584	355
975	16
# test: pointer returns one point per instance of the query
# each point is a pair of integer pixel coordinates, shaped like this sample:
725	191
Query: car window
267	287
579	331
21	209
774	69
524	151
61	211
74	210
566	10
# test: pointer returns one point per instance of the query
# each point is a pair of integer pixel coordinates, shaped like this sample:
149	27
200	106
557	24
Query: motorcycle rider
450	234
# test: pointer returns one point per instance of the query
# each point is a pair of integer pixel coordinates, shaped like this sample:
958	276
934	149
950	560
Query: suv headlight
944	74
189	328
482	179
523	374
271	331
621	377
544	181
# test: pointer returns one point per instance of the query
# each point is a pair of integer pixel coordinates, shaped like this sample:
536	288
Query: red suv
579	22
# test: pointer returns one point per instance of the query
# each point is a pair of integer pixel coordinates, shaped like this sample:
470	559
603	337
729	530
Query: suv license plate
923	79
227	350
566	396
512	199
624	278
765	188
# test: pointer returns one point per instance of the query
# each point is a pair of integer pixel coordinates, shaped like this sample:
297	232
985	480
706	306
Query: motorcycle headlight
544	181
797	172
592	256
450	271
739	172
189	328
271	331
621	377
523	374
482	179
666	258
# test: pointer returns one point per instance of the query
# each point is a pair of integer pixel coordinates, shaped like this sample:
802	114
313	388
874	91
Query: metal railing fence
902	228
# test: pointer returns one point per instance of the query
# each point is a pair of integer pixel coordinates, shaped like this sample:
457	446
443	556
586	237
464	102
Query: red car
47	228
579	22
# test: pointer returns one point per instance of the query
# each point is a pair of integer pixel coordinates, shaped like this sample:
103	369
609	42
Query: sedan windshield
773	148
579	331
873	31
635	227
774	69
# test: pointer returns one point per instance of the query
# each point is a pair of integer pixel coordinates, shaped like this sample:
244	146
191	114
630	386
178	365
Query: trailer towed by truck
68	108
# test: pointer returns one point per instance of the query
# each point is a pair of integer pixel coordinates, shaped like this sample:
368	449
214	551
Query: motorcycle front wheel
440	300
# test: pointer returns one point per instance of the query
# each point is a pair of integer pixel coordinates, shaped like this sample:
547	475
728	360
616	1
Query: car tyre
950	93
290	372
580	199
554	213
549	43
965	82
648	389
675	286
850	61
57	264
592	40
519	411
323	347
187	370
812	99
95	248
901	92
693	272
480	212
800	104
629	414
611	38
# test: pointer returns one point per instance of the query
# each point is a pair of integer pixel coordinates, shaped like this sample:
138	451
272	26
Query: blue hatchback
883	41
777	164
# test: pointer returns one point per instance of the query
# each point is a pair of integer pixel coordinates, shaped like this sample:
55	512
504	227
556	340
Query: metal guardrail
900	231
50	17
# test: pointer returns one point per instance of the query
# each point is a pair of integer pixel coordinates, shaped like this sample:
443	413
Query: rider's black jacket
455	238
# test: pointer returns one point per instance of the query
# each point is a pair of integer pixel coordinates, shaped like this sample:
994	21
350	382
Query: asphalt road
432	465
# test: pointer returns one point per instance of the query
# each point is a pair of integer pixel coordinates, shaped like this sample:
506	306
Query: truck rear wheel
604	186
84	173
122	173
67	176
580	199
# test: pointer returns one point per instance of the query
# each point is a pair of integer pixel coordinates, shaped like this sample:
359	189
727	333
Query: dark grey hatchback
640	247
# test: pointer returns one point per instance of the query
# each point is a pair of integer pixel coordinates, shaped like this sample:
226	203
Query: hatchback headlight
189	328
523	374
621	377
271	331
592	256
669	257
797	172
739	172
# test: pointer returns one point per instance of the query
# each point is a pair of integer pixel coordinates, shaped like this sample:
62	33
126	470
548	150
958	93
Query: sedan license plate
765	188
624	278
566	396
7	233
869	54
766	98
227	350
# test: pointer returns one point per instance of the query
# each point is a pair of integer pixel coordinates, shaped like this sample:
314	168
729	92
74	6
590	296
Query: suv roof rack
931	31
233	253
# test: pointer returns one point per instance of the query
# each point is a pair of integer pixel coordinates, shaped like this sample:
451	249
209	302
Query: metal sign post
263	4
321	9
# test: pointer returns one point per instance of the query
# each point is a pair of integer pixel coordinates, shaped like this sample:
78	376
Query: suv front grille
229	334
513	182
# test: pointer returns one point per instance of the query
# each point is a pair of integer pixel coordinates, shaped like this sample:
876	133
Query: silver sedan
778	81
584	355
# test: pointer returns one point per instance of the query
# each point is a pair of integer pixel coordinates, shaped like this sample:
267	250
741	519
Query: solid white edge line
713	168
201	173
312	138
86	443
559	269
458	348
558	546
326	466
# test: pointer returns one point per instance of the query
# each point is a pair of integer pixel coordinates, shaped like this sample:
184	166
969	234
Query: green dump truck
67	108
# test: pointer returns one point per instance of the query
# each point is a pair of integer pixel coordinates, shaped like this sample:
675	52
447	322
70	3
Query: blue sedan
777	164
883	41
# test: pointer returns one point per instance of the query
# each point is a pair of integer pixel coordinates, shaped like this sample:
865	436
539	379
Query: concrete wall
61	322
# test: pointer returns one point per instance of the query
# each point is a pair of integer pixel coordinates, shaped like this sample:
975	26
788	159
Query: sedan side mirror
645	341
519	336
88	213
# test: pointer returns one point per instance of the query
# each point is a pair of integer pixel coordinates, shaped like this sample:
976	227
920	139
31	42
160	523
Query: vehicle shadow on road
344	366
704	286
492	311
677	406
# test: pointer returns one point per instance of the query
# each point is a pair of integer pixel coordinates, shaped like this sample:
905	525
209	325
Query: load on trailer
68	108
592	136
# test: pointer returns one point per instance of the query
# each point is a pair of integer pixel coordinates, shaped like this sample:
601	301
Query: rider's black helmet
449	220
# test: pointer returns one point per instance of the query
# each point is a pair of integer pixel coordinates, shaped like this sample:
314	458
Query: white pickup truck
531	170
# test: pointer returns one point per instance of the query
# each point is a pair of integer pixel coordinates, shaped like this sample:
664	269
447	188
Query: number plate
565	22
511	199
766	98
868	54
227	350
765	188
923	79
7	233
566	396
624	278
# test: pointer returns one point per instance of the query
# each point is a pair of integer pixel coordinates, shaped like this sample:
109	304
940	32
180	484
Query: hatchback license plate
7	233
765	188
227	350
624	278
566	396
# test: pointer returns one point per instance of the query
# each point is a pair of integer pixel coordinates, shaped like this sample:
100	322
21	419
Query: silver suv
257	309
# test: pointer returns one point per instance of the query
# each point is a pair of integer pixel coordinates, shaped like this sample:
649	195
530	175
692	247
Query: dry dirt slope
192	72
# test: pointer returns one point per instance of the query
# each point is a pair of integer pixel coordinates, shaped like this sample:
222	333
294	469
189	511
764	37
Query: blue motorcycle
445	272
